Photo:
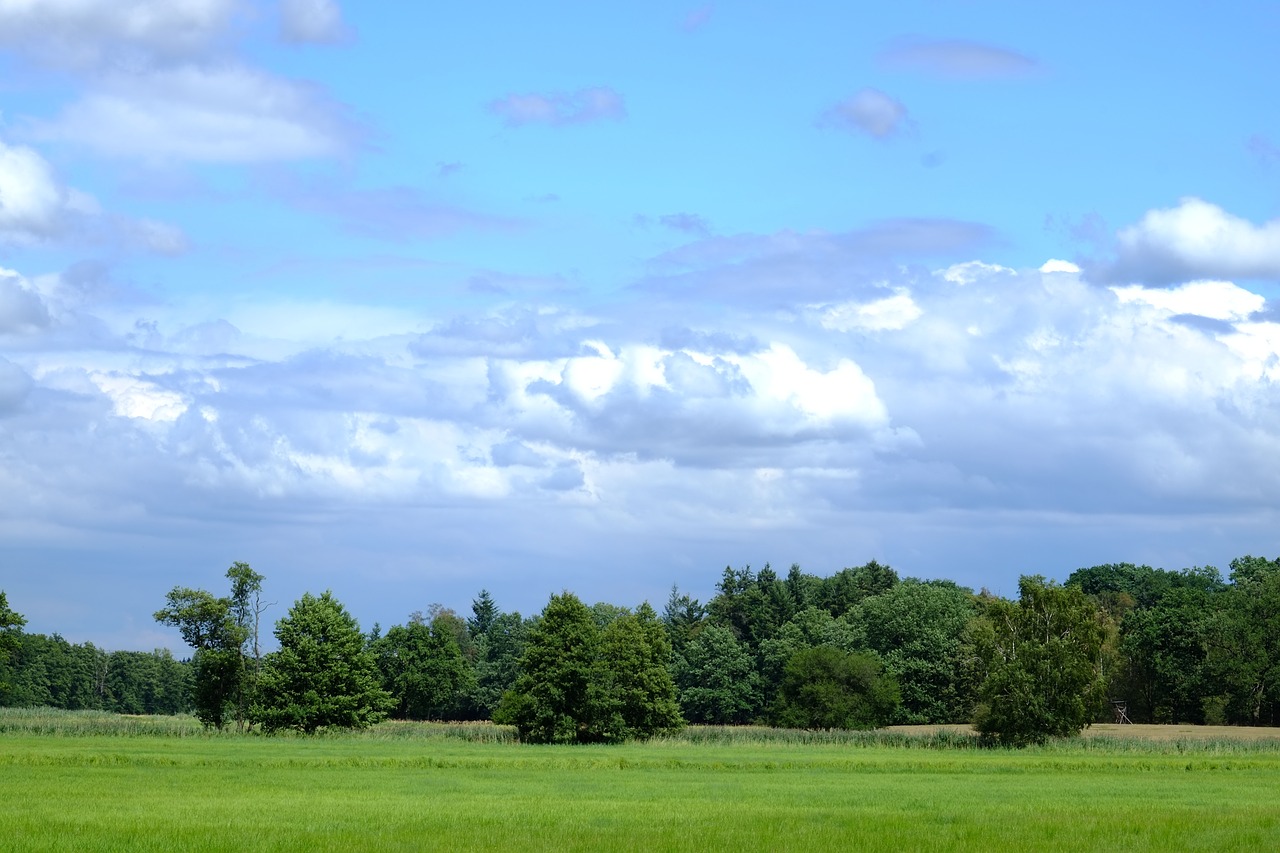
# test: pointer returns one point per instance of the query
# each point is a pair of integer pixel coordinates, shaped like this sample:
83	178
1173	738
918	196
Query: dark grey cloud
957	59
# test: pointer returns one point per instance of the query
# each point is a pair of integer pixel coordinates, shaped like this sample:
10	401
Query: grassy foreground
446	788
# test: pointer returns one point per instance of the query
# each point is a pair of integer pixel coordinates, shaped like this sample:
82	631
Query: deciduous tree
827	688
322	676
1044	667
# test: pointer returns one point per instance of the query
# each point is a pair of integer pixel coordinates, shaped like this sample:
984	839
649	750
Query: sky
410	300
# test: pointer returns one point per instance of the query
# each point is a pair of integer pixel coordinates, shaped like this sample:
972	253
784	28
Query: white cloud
82	33
1217	300
315	21
595	103
1017	400
1195	240
890	313
1055	265
868	111
225	113
957	58
34	206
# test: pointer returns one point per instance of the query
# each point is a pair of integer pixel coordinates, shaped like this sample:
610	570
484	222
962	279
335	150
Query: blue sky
407	302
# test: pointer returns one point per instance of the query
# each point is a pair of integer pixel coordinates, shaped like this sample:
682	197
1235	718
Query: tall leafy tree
682	617
551	701
424	670
1243	643
633	693
497	662
841	592
10	638
810	627
322	676
917	628
246	612
207	625
1043	655
827	688
716	679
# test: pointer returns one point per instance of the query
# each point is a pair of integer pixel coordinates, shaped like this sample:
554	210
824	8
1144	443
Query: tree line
39	670
859	648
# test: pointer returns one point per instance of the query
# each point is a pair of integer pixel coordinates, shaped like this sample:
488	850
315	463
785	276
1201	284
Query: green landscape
1130	706
93	781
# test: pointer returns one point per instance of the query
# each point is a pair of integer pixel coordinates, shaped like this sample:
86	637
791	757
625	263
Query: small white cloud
1195	240
1055	265
596	103
228	113
888	314
33	204
971	271
1217	300
958	58
312	21
869	111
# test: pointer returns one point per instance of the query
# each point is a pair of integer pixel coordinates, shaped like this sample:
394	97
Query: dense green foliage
826	688
581	683
223	633
1043	659
1186	646
323	675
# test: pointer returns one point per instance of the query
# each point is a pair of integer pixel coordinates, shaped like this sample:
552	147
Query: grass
454	787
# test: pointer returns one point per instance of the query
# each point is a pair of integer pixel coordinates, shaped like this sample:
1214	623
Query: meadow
89	782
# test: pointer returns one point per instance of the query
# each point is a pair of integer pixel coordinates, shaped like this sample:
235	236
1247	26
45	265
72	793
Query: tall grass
58	723
70	724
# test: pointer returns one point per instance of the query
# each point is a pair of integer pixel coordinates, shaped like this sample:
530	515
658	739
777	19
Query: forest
859	648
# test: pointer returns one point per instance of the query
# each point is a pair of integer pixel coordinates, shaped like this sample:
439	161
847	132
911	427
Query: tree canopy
322	675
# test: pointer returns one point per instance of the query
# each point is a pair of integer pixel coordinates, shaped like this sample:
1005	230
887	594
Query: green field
151	785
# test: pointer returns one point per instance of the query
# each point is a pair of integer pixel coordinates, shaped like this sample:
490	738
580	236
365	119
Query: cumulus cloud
84	33
595	103
36	207
957	59
312	21
868	111
1194	240
220	113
